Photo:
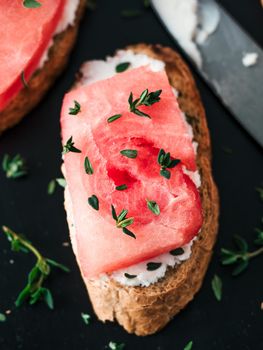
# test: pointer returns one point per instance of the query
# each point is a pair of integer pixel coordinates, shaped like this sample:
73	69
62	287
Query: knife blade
239	88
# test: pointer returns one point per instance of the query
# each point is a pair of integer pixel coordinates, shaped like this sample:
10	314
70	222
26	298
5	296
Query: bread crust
146	310
43	78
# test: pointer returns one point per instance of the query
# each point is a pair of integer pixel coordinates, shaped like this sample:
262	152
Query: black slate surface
236	322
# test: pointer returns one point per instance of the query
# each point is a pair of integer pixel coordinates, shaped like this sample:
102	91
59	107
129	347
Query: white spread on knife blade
191	22
98	70
250	59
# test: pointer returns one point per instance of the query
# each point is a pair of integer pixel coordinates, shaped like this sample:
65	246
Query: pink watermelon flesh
100	246
25	34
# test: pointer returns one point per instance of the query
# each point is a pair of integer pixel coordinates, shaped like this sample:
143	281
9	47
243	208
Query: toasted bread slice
43	78
146	310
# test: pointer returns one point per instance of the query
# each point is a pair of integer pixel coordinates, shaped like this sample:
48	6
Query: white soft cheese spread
190	22
250	59
67	19
96	70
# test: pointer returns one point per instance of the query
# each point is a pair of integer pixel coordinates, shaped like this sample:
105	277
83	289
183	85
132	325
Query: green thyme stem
255	253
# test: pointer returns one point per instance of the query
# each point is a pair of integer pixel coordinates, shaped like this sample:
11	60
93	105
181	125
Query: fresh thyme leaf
113	118
189	346
23	80
94	202
34	290
259	239
152	266
85	318
241	244
69	147
2	317
51	187
58	265
217	287
240	268
145	99
128	232
177	251
31	4
173	163
122	215
129	153
61	182
88	167
121	67
126	222
74	110
165	173
165	161
121	187
127	275
14	167
113	213
260	192
130	13
115	346
153	206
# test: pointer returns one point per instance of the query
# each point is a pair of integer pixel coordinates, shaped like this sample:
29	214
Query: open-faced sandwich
36	39
141	203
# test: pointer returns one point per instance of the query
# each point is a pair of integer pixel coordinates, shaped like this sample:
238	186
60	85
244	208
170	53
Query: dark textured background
236	322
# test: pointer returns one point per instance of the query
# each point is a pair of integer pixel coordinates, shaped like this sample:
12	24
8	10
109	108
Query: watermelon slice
25	34
99	245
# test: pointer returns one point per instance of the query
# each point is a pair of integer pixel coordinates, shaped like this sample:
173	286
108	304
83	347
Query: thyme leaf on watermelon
127	275
74	110
165	161
177	251
31	4
122	221
152	266
153	206
241	256
113	118
88	167
34	290
129	153
14	167
69	147
217	287
23	80
145	99
121	187
122	67
94	202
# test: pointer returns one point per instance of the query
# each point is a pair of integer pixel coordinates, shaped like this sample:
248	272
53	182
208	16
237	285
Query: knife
239	88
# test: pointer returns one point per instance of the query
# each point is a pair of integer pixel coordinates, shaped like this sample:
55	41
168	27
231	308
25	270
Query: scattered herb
189	346
152	266
88	167
62	182
121	67
127	275
122	221
94	202
113	118
146	99
241	256
217	287
165	161
129	153
121	187
260	192
85	318
130	13
51	187
177	251
259	239
23	80
115	346
31	4
153	206
2	317
14	167
69	147
74	110
34	290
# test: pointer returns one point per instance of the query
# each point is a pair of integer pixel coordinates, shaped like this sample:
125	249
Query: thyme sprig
34	290
241	256
145	99
14	167
116	346
69	147
122	221
165	161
